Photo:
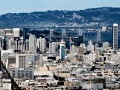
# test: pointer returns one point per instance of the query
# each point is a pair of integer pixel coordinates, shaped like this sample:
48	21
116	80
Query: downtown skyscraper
115	36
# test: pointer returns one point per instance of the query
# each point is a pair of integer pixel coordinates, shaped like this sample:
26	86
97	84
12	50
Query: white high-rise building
41	44
62	50
32	43
90	46
73	51
21	45
92	56
52	47
16	32
105	45
115	36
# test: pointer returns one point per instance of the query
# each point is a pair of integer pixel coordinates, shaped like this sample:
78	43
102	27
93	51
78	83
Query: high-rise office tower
27	45
32	43
18	44
90	46
72	50
16	41
115	36
5	43
21	45
25	32
105	45
52	47
11	59
80	37
16	32
21	61
75	40
41	44
62	50
78	40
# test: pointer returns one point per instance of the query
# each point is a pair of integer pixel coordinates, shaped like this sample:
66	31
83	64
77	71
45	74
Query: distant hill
93	17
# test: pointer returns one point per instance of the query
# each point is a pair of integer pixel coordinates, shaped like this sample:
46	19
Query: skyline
59	44
44	5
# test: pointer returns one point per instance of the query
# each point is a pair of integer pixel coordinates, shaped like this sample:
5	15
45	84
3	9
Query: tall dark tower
75	40
26	31
5	43
80	40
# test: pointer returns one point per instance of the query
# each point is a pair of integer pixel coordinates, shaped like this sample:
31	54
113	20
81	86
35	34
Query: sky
18	6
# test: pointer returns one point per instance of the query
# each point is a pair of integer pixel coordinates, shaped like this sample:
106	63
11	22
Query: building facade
115	36
62	50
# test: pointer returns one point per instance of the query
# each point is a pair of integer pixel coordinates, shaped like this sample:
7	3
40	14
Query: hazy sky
11	6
